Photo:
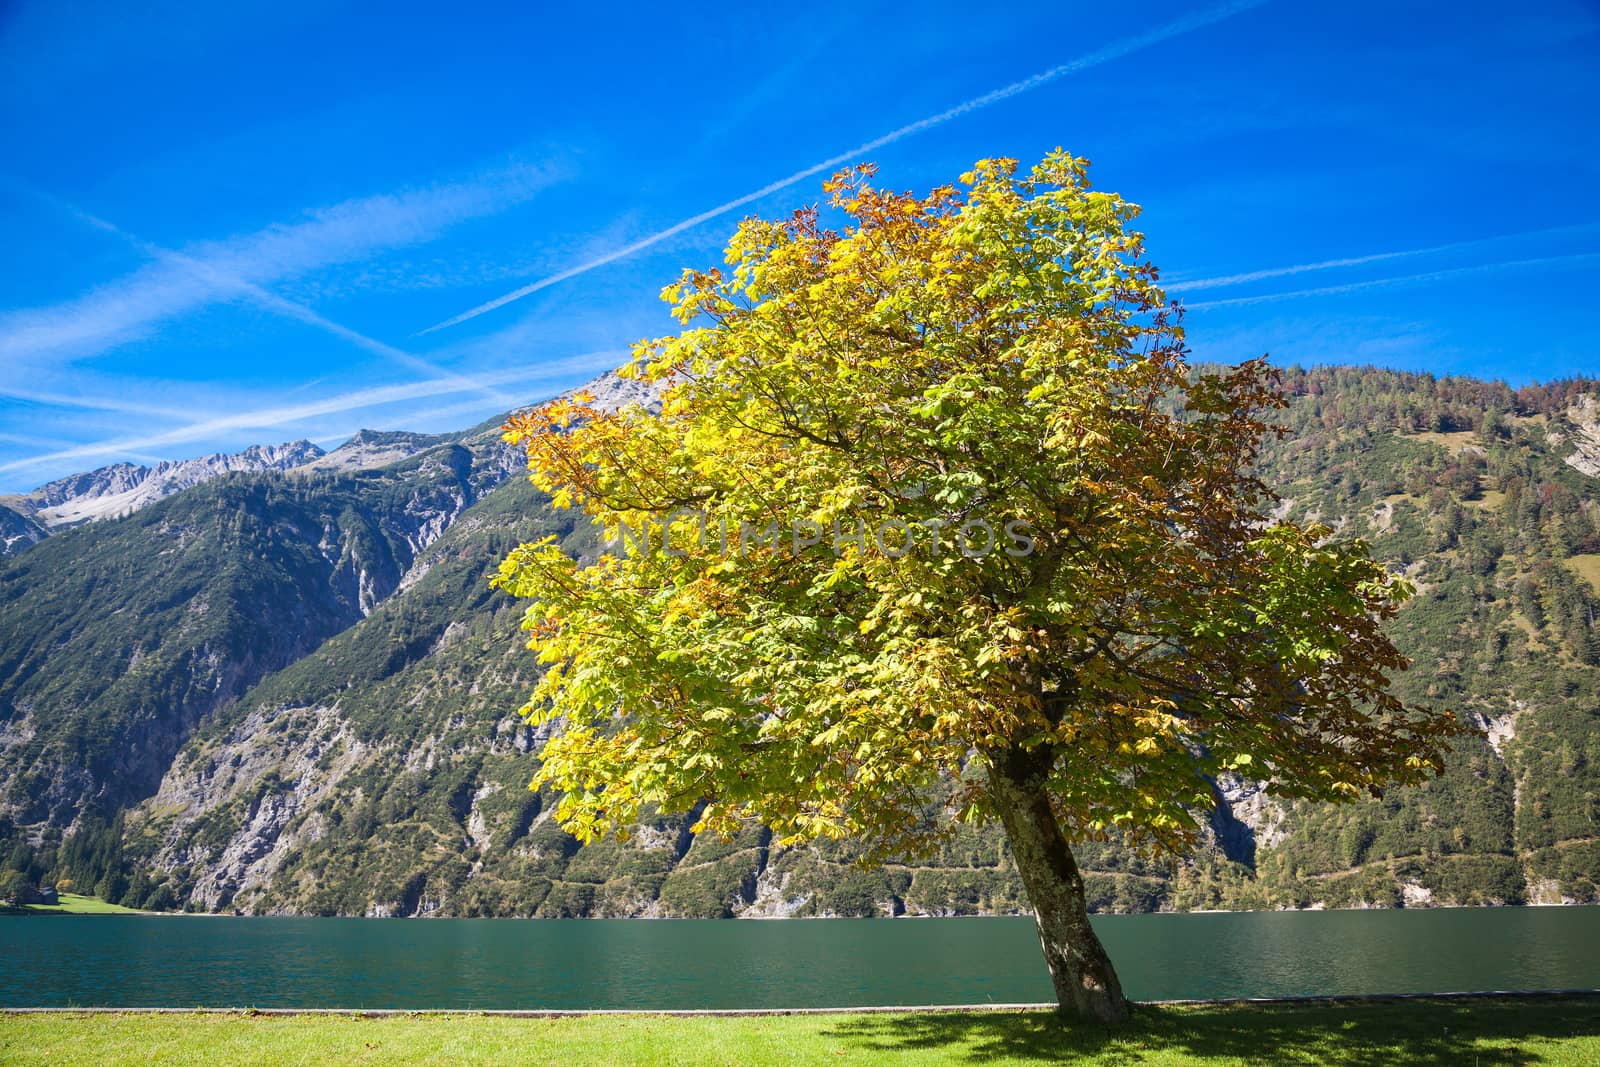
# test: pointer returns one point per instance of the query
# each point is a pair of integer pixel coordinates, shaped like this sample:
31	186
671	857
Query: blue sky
231	224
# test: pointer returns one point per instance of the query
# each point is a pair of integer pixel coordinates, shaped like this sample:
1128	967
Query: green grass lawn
1436	1033
74	904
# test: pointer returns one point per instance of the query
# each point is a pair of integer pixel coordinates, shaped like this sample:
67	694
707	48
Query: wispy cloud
283	417
34	442
1404	279
218	271
1356	261
1110	52
1312	339
40	444
217	277
120	405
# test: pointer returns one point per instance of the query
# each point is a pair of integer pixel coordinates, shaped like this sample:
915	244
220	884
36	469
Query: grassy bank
1545	1031
73	904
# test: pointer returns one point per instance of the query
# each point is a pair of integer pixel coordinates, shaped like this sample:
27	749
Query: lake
140	961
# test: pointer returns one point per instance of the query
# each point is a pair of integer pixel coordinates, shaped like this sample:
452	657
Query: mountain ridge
123	488
119	489
381	771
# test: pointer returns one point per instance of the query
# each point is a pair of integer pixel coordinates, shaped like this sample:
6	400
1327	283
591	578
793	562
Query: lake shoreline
26	910
1350	999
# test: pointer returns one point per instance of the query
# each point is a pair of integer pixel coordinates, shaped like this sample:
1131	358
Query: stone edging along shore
904	1009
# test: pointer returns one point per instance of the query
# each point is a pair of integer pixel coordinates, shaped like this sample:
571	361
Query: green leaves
1002	354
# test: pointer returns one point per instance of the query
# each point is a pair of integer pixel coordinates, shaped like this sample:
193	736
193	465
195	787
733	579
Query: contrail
91	403
1356	261
227	281
1378	283
282	416
1093	59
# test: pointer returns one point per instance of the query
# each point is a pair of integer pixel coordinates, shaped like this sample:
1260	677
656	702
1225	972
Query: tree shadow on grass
1432	1033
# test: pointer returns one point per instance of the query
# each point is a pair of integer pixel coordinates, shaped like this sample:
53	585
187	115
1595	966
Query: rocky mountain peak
120	488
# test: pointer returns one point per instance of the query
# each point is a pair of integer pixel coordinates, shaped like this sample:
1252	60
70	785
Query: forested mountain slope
1489	499
207	705
118	638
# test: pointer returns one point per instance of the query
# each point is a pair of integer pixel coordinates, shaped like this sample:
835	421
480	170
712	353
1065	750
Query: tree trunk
1085	983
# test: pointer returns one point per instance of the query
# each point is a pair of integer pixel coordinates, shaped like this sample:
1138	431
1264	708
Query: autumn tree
934	523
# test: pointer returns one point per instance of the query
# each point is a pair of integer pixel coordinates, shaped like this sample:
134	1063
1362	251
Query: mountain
294	692
172	612
123	488
376	448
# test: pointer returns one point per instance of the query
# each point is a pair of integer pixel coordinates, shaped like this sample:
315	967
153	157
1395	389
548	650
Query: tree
934	523
16	887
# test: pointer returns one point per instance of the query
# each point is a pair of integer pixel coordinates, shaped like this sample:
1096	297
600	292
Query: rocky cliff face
17	531
1580	426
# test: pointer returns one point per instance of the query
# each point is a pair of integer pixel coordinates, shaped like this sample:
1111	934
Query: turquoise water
140	961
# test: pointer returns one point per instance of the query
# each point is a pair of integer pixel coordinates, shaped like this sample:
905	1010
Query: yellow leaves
983	352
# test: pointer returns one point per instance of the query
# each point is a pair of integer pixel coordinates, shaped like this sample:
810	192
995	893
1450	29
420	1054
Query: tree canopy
935	521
